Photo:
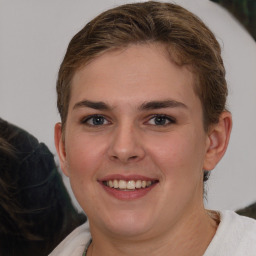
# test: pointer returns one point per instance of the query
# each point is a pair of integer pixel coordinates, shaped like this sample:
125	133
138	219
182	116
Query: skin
129	141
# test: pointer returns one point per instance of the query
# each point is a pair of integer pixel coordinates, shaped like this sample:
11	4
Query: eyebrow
151	105
92	104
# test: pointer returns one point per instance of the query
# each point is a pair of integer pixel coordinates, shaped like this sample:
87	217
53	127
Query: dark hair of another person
36	212
249	211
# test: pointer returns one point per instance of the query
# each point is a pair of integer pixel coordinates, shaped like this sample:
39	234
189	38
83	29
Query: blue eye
161	120
95	120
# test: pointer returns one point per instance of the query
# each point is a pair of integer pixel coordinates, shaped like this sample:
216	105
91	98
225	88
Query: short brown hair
187	40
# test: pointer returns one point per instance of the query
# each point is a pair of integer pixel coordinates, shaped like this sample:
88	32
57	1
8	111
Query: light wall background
33	38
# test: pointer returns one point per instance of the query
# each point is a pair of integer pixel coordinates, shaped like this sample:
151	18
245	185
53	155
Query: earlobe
218	138
60	147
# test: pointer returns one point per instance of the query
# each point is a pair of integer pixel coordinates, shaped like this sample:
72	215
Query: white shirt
75	243
235	236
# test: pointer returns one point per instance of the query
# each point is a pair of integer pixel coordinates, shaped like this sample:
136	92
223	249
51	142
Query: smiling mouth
129	185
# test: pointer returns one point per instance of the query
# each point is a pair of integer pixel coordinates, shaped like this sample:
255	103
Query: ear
218	138
60	147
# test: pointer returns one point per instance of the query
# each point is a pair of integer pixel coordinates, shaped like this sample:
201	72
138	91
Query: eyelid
85	120
170	119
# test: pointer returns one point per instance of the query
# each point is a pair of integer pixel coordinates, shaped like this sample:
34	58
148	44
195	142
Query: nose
126	145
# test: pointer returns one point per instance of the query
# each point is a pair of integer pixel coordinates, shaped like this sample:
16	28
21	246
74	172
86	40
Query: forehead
133	73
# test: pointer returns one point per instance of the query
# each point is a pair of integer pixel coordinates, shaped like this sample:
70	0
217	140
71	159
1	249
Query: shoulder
75	243
238	223
236	236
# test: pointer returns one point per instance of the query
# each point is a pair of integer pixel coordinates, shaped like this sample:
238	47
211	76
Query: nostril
124	159
133	157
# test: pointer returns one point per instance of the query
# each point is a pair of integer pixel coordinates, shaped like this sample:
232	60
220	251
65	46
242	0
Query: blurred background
33	39
244	11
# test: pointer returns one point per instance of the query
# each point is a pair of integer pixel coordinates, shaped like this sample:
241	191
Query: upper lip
126	177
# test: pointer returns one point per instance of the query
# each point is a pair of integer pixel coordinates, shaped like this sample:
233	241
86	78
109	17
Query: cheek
177	154
84	160
83	156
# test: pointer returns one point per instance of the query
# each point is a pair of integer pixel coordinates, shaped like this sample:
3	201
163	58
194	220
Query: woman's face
134	122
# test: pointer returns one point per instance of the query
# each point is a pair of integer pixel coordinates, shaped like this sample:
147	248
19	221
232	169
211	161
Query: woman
142	99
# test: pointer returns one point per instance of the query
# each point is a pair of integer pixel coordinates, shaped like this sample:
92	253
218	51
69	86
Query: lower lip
126	194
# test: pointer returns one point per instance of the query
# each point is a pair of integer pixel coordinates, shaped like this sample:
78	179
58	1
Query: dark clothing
36	212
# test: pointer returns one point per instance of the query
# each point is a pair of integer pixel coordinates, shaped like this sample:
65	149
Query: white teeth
122	184
138	184
129	185
110	184
115	184
149	183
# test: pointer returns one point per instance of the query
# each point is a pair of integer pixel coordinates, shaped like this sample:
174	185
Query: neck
190	237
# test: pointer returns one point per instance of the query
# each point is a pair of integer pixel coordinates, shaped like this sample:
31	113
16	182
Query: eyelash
88	118
162	117
170	120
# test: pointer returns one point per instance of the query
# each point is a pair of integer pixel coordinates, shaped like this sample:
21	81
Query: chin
128	224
